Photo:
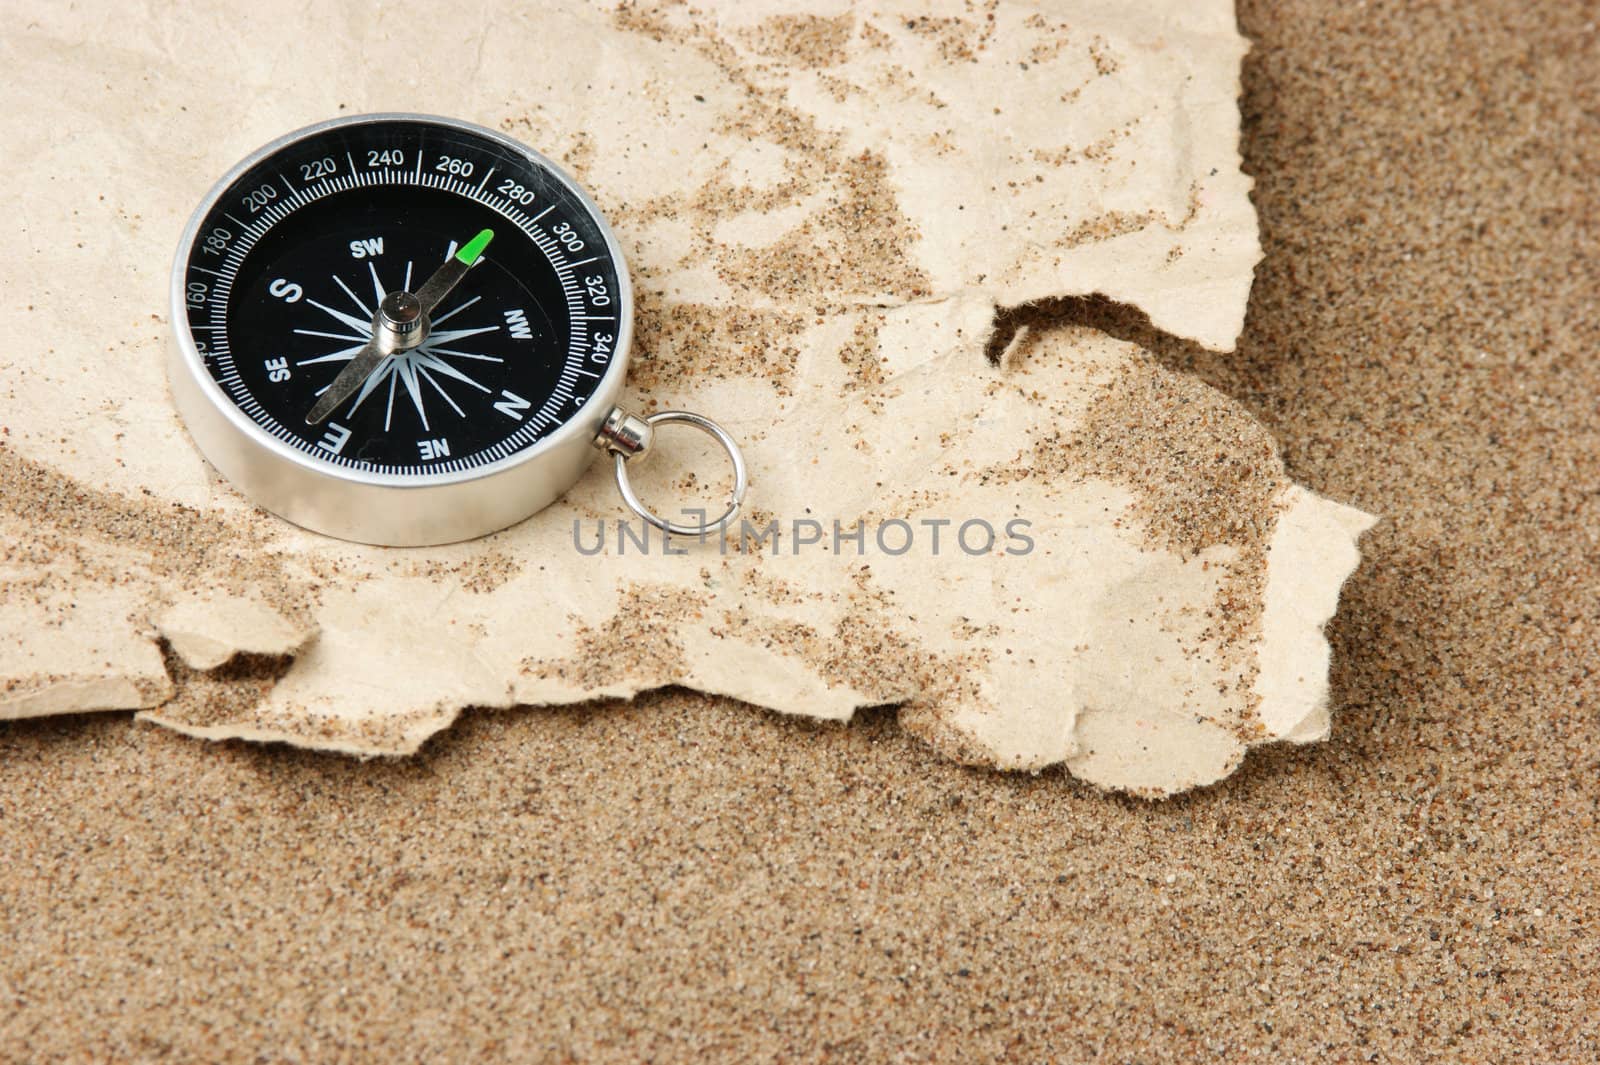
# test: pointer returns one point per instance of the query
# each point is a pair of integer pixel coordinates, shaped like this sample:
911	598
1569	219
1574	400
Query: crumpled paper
822	213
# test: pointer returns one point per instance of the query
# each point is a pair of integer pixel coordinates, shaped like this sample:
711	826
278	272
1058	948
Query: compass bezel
370	505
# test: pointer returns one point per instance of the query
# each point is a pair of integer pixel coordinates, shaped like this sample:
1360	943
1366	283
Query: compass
406	330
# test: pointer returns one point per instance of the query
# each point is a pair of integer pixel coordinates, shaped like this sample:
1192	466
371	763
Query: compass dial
291	261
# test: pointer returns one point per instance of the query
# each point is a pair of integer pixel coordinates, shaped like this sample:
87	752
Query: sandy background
684	878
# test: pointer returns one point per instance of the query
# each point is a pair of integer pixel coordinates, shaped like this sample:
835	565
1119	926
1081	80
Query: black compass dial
290	265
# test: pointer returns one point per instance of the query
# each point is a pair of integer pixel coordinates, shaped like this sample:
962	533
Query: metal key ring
626	441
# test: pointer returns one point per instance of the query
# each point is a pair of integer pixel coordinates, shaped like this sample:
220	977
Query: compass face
293	257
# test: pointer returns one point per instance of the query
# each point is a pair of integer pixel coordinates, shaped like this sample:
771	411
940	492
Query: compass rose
430	369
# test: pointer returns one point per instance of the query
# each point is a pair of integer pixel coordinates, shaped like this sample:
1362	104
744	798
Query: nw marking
517	323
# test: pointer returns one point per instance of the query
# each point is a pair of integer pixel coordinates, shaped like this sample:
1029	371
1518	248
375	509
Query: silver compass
406	330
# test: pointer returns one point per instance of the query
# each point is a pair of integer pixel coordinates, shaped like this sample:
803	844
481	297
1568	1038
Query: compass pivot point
401	314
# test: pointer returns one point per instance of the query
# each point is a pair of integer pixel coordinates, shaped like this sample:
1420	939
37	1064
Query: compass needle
360	365
400	325
385	369
448	276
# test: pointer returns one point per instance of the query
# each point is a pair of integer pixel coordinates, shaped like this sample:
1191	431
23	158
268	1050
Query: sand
690	879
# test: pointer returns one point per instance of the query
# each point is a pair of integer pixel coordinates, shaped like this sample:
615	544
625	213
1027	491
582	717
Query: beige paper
822	214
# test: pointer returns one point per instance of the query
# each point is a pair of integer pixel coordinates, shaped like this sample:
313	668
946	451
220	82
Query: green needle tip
474	247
